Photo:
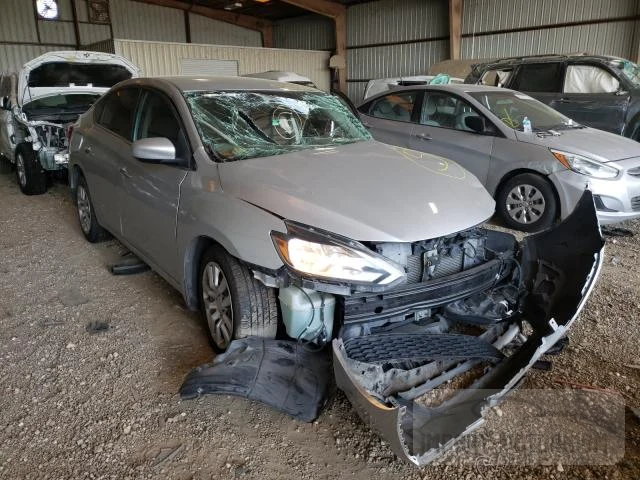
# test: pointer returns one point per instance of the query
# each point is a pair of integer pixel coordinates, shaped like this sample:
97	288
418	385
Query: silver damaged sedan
532	159
298	237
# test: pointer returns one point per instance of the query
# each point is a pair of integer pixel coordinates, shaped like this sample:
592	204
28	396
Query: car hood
367	191
590	142
27	94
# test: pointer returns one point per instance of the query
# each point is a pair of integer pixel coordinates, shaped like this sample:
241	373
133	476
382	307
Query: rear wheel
233	303
527	202
30	175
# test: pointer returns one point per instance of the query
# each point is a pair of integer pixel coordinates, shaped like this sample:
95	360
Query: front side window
117	112
158	118
538	77
512	107
238	125
396	106
447	111
589	79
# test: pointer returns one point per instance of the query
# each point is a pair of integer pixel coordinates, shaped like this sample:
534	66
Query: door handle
124	172
424	136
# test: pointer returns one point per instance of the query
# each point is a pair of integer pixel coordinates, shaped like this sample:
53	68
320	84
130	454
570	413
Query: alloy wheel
525	204
217	304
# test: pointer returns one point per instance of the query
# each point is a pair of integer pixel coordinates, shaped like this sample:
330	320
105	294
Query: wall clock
47	9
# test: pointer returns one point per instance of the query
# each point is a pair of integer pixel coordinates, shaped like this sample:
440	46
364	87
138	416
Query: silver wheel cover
525	204
217	304
84	209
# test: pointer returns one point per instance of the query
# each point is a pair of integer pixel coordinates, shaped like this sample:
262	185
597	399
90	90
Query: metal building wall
312	32
207	30
163	58
548	26
139	21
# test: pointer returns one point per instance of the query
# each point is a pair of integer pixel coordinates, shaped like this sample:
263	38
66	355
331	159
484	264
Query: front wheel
233	303
527	202
91	229
30	175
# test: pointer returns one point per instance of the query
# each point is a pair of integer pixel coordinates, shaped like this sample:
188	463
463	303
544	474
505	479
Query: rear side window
118	109
538	77
395	106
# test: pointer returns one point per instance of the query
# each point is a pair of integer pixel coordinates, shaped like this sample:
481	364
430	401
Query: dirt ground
90	367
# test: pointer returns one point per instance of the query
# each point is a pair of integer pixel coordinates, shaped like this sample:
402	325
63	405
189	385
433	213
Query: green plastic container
305	311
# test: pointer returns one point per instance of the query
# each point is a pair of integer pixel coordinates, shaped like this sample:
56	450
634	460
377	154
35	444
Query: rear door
591	95
152	191
390	118
542	81
442	130
104	149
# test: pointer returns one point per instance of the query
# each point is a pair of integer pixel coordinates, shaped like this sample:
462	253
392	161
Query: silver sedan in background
533	160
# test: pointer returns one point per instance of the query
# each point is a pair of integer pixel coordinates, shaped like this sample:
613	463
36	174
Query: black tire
527	202
254	310
89	224
31	177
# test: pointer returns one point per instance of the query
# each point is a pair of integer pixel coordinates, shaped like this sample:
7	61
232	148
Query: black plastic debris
609	231
98	326
129	265
282	374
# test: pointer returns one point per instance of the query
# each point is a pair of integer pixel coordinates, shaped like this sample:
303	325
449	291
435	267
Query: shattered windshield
631	71
512	108
237	125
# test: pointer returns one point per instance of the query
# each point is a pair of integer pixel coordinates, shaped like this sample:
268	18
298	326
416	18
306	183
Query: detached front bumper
562	266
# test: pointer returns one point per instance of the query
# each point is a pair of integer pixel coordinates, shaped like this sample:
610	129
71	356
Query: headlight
334	258
584	165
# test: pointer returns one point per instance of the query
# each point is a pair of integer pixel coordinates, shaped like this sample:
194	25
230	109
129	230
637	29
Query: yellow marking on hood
415	157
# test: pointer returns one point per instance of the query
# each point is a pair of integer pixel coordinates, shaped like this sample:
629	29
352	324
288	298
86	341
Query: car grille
635	203
635	171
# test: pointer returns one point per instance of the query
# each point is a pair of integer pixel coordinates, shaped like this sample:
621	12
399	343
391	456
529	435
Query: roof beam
245	21
338	13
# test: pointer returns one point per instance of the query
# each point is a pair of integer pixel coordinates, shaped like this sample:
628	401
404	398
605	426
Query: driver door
152	191
443	131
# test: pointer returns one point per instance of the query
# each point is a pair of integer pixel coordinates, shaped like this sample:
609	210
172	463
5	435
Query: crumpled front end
425	383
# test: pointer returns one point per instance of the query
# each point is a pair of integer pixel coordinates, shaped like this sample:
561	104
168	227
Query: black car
598	91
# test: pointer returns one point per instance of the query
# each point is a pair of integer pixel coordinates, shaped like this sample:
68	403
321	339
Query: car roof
551	58
219	83
451	87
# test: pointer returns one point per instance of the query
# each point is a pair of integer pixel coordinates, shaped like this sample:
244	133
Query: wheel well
520	171
192	257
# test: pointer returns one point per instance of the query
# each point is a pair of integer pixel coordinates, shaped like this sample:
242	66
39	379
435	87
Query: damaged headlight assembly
320	255
585	166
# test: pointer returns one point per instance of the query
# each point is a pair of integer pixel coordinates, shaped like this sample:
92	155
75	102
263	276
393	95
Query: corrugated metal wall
207	30
313	32
495	16
139	21
160	58
416	29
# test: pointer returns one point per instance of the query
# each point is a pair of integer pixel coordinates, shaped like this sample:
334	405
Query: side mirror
474	123
154	150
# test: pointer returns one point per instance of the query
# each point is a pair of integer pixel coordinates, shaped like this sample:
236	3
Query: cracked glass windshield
512	108
241	125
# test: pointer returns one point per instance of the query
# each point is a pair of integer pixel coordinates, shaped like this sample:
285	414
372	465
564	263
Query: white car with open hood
43	100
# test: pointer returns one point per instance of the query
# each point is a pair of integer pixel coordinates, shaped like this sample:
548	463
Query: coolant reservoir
305	312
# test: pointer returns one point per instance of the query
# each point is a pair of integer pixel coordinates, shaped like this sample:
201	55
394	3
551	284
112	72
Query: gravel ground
90	366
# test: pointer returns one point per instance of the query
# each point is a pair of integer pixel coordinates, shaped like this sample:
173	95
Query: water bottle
526	125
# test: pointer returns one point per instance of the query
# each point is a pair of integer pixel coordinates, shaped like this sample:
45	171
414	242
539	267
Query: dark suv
598	91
